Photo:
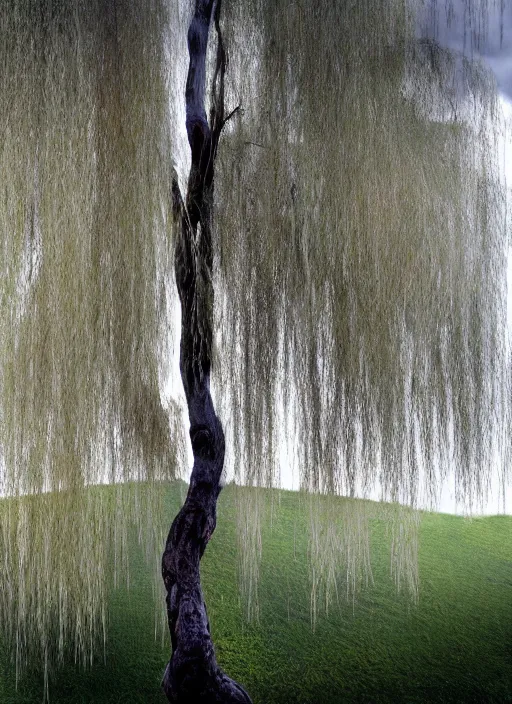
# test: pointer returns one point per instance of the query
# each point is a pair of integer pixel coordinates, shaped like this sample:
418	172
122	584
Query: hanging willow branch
84	314
192	674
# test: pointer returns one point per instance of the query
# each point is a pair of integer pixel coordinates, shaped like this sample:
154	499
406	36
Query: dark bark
192	675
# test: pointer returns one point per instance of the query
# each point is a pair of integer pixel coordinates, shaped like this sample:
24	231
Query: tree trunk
192	674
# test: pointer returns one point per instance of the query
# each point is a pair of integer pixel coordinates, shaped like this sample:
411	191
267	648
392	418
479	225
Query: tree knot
202	442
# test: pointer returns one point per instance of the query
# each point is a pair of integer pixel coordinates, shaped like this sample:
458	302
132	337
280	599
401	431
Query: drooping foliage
86	266
362	256
359	270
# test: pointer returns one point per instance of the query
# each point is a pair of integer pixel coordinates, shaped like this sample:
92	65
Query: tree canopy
359	250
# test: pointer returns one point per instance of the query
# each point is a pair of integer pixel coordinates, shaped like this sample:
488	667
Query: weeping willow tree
361	242
356	243
85	155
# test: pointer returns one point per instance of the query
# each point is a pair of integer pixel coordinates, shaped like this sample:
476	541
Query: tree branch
192	674
231	114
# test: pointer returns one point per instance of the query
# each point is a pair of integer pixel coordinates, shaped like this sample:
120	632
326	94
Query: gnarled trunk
192	674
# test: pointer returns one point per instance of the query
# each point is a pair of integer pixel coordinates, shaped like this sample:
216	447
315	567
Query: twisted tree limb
192	675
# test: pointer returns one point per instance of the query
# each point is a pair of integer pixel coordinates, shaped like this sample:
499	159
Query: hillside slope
455	646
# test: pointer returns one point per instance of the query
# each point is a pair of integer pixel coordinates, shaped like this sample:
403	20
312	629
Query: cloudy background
489	38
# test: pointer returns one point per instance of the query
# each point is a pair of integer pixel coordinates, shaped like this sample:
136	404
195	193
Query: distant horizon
493	507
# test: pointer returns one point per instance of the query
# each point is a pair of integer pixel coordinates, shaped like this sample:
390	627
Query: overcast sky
495	48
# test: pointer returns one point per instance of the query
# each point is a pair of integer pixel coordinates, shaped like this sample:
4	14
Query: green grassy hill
454	646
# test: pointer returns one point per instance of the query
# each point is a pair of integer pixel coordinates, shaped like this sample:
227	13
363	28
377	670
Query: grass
454	646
